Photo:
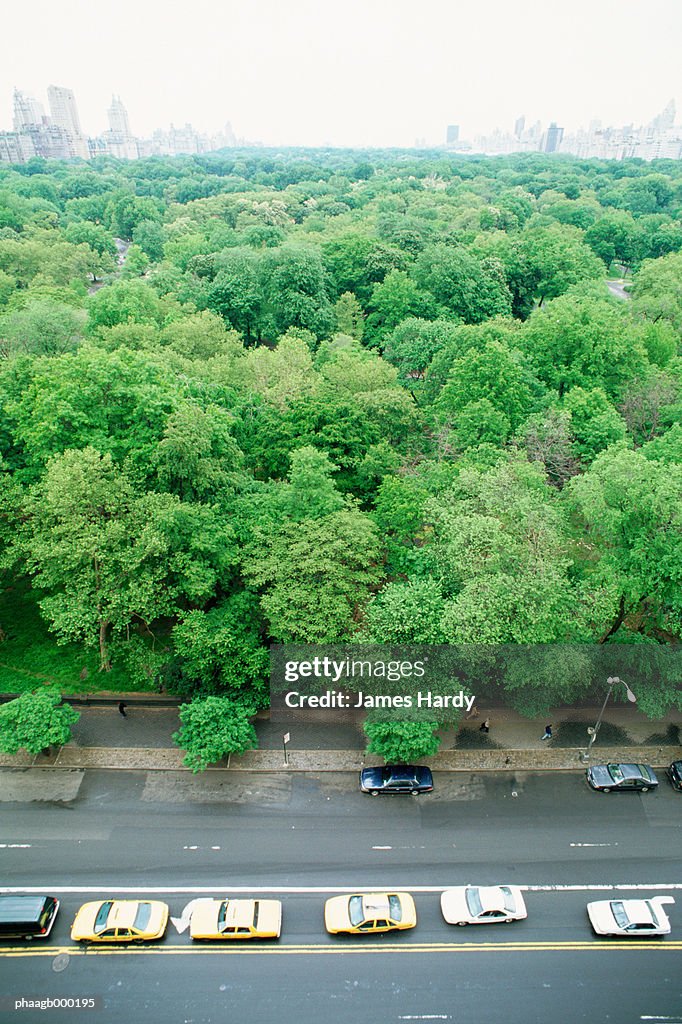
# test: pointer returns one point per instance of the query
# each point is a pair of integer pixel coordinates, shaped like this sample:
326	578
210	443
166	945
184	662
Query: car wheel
461	923
645	789
415	792
509	920
606	789
374	792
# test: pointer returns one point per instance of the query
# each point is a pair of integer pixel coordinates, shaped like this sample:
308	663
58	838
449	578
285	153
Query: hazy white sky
357	72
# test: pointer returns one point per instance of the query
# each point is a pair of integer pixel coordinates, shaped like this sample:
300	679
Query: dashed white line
15	846
593	844
312	889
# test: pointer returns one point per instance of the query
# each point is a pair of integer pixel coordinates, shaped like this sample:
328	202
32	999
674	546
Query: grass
574	734
30	657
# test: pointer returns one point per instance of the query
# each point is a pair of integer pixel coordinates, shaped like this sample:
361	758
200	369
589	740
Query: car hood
599	773
336	913
454	905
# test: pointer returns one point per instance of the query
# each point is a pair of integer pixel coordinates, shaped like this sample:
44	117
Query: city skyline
380	75
59	134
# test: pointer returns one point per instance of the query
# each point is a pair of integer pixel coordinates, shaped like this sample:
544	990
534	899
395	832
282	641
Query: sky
360	72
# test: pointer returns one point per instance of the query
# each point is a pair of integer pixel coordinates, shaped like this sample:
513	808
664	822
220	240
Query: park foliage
333	396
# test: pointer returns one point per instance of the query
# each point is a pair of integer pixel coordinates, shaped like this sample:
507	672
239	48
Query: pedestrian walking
485	727
122	708
474	713
548	733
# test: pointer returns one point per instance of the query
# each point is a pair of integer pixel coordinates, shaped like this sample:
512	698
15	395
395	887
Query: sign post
285	740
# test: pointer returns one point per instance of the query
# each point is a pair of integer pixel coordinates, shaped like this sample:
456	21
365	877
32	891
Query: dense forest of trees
341	396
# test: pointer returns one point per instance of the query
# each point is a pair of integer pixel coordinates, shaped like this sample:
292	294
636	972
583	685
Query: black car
397	778
674	773
612	778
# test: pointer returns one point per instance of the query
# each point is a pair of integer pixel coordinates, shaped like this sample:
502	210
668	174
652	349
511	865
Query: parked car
609	778
362	913
27	917
483	904
397	778
674	773
630	917
236	919
120	921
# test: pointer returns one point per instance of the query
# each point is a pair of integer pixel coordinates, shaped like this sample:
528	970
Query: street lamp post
593	730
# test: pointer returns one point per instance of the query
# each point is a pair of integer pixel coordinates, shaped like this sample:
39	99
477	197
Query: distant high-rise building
118	119
553	137
64	115
519	126
27	110
63	109
452	134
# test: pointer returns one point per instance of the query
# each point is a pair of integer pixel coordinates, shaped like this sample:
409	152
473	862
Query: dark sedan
675	775
612	778
396	778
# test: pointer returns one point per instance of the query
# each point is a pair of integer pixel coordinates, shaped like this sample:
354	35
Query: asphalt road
302	838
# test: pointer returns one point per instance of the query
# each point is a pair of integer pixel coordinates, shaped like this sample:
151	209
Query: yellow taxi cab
120	921
236	919
369	912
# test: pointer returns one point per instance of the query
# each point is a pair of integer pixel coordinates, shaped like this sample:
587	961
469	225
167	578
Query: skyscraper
64	113
452	134
27	110
119	124
553	137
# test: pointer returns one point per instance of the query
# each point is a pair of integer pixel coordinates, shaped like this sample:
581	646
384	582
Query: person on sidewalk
122	708
474	713
548	733
485	727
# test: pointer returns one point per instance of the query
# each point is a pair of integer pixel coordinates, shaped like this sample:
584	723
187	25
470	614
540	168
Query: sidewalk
143	741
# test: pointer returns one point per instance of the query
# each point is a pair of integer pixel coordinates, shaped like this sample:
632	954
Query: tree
595	423
631	508
657	290
462	285
392	301
496	376
315	575
35	721
406	613
41	327
221	652
212	728
106	557
236	294
349	316
401	742
293	285
124	301
580	341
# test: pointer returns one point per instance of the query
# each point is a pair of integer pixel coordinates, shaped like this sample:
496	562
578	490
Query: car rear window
395	909
355	911
102	917
144	913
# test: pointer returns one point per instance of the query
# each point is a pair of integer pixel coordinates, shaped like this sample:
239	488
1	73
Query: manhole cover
61	962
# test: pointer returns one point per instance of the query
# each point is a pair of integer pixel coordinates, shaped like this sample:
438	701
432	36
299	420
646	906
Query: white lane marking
182	923
593	844
425	1016
303	889
382	847
15	846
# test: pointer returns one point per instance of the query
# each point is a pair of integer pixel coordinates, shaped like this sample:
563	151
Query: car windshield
474	902
144	912
102	917
615	772
355	911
